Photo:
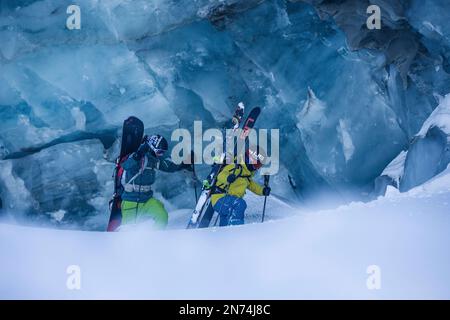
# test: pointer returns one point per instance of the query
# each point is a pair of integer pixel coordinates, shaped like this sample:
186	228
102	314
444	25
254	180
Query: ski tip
131	119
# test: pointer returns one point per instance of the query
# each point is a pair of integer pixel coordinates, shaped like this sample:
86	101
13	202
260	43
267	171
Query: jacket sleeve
256	188
168	166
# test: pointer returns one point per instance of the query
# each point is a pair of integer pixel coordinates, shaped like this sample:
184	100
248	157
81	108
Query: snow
15	187
440	118
428	153
396	167
276	208
58	215
346	140
391	191
312	113
439	184
324	254
173	62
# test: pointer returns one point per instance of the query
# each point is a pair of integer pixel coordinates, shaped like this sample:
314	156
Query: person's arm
256	188
168	166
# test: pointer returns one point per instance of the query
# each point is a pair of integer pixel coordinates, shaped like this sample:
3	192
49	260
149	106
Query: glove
143	149
266	191
206	184
231	178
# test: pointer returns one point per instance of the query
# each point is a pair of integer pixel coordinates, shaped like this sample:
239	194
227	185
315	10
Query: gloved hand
266	191
206	184
143	149
231	178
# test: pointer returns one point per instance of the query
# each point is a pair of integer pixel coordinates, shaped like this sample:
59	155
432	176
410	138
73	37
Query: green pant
133	212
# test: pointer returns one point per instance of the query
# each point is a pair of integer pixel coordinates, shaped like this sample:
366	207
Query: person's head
158	144
254	158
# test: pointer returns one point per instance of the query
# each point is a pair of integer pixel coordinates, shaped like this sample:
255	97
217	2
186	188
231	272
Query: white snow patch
391	191
346	140
19	198
80	118
58	215
440	118
322	255
395	169
312	113
439	184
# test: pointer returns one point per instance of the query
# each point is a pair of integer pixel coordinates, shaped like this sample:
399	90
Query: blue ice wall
346	99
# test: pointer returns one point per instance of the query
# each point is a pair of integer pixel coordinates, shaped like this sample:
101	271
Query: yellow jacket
244	181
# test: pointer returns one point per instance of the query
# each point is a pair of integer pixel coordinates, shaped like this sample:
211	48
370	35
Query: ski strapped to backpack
203	212
132	134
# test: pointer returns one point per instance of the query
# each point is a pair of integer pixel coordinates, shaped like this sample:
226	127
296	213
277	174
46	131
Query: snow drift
314	255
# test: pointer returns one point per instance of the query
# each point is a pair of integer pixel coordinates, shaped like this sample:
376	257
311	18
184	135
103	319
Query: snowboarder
138	203
232	182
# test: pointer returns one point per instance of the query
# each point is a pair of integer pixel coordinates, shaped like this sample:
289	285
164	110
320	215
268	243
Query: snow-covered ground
276	209
322	254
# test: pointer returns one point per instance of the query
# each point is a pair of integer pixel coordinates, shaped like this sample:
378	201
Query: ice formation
64	93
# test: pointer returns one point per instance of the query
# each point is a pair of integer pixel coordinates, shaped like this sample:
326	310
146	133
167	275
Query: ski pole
195	186
194	174
266	184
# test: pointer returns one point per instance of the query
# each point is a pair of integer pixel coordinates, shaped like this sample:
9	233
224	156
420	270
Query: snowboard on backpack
132	134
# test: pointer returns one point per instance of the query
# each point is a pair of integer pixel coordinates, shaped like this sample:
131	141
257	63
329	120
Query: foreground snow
313	255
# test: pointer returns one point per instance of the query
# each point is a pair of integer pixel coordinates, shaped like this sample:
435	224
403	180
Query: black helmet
158	144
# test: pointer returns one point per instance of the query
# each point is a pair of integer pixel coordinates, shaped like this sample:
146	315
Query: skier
231	184
138	203
203	211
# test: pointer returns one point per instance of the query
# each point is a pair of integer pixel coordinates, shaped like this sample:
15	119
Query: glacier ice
427	155
391	175
52	187
346	100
